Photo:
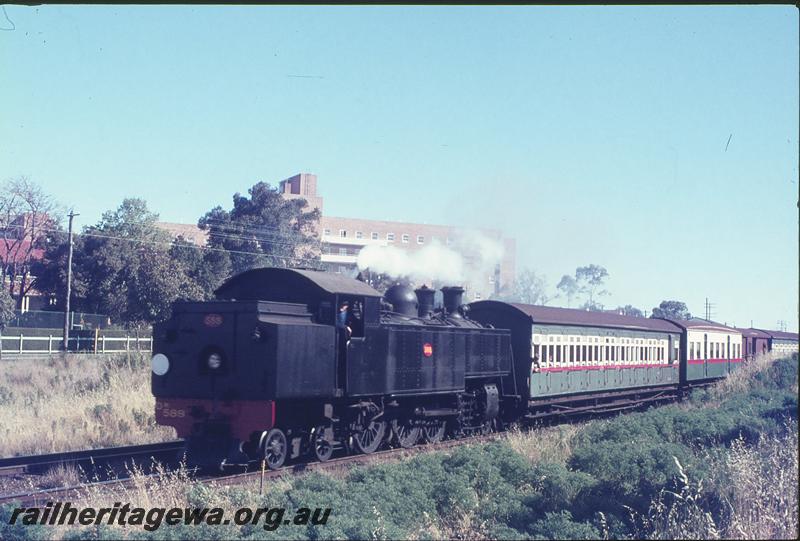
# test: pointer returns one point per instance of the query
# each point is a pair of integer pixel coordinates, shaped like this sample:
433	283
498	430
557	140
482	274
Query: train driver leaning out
342	320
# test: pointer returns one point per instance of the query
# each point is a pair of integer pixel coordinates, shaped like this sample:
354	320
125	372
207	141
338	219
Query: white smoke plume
469	260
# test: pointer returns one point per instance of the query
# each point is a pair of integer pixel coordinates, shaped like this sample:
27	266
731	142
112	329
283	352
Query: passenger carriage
711	350
561	354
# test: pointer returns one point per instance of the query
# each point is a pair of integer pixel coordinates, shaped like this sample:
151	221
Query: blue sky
590	134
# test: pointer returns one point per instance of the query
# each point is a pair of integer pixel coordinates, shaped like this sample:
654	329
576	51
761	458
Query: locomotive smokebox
402	299
425	299
452	300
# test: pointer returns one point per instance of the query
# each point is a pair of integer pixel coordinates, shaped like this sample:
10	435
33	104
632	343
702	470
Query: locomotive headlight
214	361
159	364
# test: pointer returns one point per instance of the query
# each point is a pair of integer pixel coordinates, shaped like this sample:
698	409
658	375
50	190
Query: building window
476	296
342	251
405	238
390	237
359	235
491	278
420	239
326	232
342	269
343	232
374	236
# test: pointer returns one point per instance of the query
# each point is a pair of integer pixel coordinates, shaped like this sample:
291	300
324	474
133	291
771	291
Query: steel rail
39	464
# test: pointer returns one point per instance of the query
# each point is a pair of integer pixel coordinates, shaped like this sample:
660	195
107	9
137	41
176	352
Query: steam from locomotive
469	259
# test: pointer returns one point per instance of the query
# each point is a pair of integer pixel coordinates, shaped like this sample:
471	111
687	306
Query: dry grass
77	402
763	488
550	444
758	489
741	380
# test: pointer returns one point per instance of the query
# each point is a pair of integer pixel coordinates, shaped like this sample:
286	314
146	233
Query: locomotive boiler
289	362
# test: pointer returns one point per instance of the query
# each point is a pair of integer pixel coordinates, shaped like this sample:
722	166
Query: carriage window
583	354
558	354
572	354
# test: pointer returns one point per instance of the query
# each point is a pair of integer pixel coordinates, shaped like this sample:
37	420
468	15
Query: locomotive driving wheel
369	439
434	433
322	442
405	433
274	448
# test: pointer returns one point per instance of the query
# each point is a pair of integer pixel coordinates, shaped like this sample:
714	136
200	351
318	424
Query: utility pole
64	345
709	310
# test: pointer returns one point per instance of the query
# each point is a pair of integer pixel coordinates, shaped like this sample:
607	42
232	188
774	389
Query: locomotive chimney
425	300
452	300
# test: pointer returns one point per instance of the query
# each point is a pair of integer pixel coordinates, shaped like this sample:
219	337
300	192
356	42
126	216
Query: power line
233	237
172	243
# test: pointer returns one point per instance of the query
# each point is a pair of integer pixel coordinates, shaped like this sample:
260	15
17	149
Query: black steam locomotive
292	362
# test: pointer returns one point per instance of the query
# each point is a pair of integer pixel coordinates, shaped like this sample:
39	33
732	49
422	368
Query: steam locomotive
293	362
264	373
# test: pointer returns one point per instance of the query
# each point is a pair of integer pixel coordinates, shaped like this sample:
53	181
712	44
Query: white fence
21	344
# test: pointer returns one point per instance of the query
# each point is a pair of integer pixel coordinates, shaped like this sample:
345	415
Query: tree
205	269
528	288
6	308
629	310
122	267
26	218
587	281
6	312
265	229
592	306
569	287
671	310
590	280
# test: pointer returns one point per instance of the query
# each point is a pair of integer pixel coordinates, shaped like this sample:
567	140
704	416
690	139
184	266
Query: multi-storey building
343	239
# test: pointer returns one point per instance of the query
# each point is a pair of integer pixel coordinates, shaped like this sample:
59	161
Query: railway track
98	465
341	464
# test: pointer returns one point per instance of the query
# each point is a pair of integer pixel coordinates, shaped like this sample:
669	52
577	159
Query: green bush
562	526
